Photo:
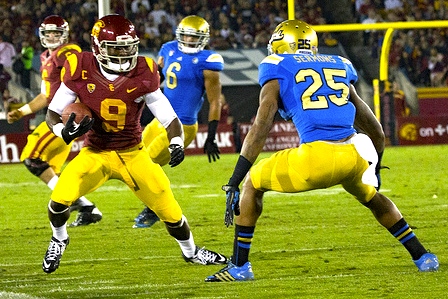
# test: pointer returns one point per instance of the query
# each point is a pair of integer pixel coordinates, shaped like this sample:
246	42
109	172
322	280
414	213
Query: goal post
389	28
385	104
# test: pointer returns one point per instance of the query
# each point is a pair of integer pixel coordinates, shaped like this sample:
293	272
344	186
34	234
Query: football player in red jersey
116	84
44	153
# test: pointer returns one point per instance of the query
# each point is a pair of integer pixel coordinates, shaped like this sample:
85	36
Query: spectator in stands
7	53
372	17
437	67
26	55
158	12
406	66
393	5
261	39
248	41
16	22
400	104
153	34
172	15
165	27
135	4
217	41
420	62
5	77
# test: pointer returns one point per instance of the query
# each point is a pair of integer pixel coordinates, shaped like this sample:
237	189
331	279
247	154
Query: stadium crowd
419	53
238	24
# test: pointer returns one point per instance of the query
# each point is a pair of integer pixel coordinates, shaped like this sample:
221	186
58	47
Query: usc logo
97	28
409	132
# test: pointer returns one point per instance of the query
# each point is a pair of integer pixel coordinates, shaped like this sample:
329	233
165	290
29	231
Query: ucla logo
278	35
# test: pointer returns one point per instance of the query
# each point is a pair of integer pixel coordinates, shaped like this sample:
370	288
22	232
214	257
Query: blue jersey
184	79
314	91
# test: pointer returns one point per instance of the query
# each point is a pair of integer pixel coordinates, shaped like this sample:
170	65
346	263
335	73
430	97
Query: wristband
57	129
177	140
212	127
241	169
25	110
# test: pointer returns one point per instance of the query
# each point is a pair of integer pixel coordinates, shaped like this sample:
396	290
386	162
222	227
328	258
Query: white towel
367	151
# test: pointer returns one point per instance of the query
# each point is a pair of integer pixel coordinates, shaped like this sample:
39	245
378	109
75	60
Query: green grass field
320	244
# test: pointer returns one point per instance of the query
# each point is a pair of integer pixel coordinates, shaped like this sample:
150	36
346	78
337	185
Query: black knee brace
36	166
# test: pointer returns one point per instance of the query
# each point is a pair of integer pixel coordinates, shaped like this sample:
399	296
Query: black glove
177	154
73	130
212	150
232	203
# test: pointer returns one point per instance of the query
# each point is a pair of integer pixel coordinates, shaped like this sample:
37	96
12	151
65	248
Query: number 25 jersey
314	92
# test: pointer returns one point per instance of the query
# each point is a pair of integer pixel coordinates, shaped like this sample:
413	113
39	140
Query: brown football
79	109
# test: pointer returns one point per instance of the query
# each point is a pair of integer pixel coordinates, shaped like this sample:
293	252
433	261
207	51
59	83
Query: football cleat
203	256
86	216
53	255
427	263
146	218
233	273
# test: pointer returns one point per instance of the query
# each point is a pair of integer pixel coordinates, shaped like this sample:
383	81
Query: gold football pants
92	168
314	165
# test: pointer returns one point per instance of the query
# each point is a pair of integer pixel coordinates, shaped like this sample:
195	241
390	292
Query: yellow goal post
389	27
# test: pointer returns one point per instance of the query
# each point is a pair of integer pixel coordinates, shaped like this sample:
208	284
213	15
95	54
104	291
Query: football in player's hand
79	109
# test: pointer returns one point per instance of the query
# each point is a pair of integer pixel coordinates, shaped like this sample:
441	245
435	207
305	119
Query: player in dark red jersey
44	153
116	84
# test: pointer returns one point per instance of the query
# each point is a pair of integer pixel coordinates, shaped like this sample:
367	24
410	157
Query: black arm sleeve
241	169
162	77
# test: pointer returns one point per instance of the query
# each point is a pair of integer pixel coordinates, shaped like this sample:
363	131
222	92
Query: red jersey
116	105
51	65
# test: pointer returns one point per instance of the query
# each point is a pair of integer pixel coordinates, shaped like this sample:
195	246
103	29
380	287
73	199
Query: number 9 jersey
116	105
317	100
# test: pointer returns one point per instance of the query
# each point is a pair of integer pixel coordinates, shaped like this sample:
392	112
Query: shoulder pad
70	48
215	57
73	63
345	60
272	59
150	62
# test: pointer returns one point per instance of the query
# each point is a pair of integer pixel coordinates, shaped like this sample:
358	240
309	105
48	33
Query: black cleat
203	256
53	255
87	215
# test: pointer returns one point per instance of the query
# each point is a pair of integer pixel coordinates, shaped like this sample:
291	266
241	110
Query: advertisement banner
417	130
283	135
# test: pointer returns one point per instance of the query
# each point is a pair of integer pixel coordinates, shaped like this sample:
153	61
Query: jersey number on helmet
341	90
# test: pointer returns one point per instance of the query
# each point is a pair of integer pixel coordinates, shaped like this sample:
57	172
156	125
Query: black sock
241	244
403	233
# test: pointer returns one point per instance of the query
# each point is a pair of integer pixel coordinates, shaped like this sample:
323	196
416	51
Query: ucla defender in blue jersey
316	92
189	71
